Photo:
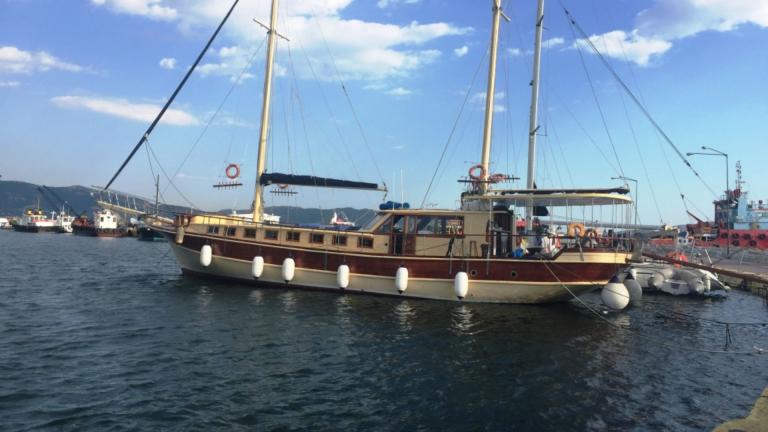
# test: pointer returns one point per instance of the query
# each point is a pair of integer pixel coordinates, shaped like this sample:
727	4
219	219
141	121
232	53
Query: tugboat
104	224
738	222
62	222
34	220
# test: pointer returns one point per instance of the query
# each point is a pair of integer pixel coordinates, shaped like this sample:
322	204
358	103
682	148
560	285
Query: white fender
180	235
401	280
615	295
289	268
461	285
257	268
342	276
632	286
206	255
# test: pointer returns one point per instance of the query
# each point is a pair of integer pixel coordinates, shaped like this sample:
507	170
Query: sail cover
306	180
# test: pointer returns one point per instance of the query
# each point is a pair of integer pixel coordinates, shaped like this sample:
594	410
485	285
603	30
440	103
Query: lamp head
704	148
689	154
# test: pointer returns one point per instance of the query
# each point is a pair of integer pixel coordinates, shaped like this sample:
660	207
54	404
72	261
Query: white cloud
461	52
153	9
478	100
125	109
363	50
168	63
552	42
675	19
515	52
399	91
9	83
15	60
628	46
666	21
383	4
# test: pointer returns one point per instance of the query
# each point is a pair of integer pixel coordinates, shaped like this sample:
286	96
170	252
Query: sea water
106	334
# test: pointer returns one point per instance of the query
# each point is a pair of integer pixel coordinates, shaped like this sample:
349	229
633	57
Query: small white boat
654	276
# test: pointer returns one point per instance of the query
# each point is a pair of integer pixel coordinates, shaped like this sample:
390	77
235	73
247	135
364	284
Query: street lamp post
727	194
636	188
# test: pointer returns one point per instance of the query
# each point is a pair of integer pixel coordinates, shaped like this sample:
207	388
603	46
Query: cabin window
398	222
102	218
454	226
365	242
427	224
316	238
213	229
386	227
231	231
410	223
440	225
250	233
270	235
339	240
293	236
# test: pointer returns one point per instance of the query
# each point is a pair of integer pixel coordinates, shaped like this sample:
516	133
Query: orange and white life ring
573	227
473	172
232	171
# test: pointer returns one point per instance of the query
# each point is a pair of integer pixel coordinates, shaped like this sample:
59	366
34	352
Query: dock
757	420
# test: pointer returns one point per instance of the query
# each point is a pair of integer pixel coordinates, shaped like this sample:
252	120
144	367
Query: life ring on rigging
282	186
232	171
573	226
473	172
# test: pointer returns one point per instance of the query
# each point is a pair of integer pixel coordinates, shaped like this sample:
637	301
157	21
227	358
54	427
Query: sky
378	90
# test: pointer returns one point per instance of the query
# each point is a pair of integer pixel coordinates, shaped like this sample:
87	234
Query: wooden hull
504	280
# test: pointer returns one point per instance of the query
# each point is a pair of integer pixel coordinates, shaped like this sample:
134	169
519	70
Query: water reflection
204	296
405	314
288	299
256	297
461	320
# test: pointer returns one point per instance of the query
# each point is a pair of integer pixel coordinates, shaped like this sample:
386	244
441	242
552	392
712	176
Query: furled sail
307	180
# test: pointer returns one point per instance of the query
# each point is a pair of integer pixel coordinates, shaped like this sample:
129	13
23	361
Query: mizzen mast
258	200
533	126
489	95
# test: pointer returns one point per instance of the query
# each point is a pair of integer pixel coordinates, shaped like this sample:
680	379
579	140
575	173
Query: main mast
258	199
533	126
489	95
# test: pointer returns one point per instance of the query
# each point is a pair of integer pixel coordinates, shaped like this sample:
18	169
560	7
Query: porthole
473	273
513	274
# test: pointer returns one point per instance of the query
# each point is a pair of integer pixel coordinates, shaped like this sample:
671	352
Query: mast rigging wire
213	116
586	40
453	129
154	123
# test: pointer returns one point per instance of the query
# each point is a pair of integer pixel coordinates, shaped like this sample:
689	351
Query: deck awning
555	197
314	181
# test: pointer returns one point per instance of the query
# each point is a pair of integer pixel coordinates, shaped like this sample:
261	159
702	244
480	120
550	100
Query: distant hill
16	196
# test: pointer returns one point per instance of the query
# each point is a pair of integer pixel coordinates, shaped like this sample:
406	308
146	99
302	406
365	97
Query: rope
453	130
349	102
599	107
215	113
586	40
648	337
